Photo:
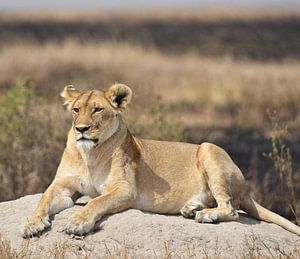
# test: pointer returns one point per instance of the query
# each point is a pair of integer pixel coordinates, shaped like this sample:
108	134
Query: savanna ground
227	77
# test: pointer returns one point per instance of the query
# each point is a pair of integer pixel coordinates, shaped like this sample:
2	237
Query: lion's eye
98	109
76	110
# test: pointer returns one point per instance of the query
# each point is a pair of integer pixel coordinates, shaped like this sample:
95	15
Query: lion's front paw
80	223
35	226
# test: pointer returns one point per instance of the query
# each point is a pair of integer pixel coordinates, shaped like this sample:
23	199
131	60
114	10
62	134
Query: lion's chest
93	182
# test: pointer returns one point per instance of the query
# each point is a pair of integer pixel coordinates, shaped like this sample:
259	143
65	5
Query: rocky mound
135	234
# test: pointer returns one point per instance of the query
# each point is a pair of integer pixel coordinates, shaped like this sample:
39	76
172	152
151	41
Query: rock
137	234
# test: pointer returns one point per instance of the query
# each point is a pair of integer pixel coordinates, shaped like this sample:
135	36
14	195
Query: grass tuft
282	162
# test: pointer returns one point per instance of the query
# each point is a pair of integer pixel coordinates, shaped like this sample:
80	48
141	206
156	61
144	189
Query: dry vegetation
179	96
155	14
254	248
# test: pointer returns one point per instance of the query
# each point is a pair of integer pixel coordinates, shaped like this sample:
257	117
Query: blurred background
221	71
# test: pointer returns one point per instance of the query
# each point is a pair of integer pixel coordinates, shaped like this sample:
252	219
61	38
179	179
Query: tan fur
119	172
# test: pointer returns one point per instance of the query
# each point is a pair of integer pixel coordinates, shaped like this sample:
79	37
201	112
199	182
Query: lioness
103	160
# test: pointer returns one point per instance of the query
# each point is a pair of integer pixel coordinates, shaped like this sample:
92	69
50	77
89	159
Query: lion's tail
259	212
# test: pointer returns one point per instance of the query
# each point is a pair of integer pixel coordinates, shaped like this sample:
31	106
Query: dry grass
7	252
254	248
29	144
190	75
282	162
212	88
62	250
138	15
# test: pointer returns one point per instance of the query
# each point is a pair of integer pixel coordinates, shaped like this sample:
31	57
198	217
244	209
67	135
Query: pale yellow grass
188	83
209	13
254	248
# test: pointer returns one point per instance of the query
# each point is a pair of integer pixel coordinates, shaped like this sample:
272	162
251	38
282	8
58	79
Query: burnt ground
261	39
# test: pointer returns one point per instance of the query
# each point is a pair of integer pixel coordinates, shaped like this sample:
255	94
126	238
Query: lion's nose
82	129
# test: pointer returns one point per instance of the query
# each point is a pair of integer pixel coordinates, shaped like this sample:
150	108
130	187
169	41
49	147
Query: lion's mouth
95	140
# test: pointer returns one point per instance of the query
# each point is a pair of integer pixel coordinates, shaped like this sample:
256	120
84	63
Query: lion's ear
69	94
119	95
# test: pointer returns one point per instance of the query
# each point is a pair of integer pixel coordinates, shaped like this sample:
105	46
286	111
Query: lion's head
96	113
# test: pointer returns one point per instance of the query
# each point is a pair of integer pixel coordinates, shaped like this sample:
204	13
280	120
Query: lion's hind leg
224	181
